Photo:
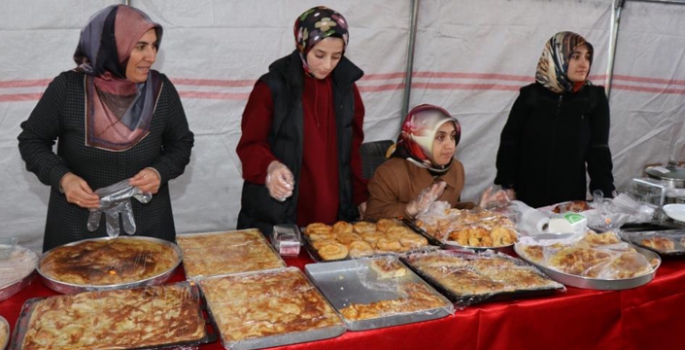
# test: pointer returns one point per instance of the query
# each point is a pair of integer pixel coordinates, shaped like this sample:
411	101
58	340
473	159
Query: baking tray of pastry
220	253
345	240
468	278
157	317
590	260
16	271
261	309
4	333
664	243
377	292
109	263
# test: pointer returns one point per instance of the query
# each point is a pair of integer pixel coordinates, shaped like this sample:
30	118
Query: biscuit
364	227
333	251
342	227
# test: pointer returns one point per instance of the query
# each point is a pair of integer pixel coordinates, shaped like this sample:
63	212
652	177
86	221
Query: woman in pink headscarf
114	119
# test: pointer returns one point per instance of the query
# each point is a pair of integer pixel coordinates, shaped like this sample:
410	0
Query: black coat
286	81
60	115
550	140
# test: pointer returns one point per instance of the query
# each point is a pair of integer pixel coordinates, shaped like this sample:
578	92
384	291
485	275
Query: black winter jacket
286	81
550	140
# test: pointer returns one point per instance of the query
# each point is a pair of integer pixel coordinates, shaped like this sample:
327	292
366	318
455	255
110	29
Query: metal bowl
598	283
72	288
15	286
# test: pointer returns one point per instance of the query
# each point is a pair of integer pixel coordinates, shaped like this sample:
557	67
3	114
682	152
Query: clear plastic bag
115	202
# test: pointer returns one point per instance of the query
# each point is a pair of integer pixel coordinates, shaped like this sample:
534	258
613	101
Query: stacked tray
468	278
109	263
590	260
377	292
220	253
156	317
262	309
346	240
16	271
664	243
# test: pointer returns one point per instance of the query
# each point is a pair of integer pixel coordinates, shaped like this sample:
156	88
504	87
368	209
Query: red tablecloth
648	317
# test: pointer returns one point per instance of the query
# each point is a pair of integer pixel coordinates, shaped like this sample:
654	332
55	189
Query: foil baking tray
225	252
257	341
598	283
71	288
17	271
210	336
452	274
354	282
452	244
676	237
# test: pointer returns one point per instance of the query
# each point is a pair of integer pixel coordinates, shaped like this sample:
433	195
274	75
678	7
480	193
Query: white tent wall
648	88
213	51
473	56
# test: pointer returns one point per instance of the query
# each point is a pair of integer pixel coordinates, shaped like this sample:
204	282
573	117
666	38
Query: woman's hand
78	192
147	180
491	200
279	180
362	210
425	199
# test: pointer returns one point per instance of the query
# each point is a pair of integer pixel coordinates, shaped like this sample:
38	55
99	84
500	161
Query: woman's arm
39	133
384	200
509	147
359	184
177	140
599	163
253	148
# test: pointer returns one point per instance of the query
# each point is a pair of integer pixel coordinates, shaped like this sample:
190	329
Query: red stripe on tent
462	75
212	82
384	76
24	83
648	80
20	97
647	89
214	95
383	87
448	86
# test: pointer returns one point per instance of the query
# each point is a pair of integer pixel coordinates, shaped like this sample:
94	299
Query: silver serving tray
676	236
347	282
598	283
6	325
14	287
452	245
71	288
279	339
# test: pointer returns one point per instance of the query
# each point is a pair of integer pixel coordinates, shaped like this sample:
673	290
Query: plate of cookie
665	242
344	240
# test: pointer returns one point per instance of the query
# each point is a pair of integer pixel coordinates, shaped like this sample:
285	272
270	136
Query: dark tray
431	240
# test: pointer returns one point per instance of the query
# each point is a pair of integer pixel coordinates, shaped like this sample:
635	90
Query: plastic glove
496	199
421	203
115	201
279	181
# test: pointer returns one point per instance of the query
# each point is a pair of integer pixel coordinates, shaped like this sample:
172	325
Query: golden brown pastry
661	244
384	224
347	237
317	227
364	227
389	245
342	227
359	249
333	251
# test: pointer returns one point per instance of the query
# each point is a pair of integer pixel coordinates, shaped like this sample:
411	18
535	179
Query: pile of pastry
466	228
343	239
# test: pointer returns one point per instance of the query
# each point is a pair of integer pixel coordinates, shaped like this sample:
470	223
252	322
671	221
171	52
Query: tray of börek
590	260
476	229
468	278
664	242
377	292
345	240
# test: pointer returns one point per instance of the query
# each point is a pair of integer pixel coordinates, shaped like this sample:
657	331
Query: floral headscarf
553	65
118	111
415	142
315	25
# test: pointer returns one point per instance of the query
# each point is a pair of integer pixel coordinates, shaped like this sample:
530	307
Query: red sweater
319	194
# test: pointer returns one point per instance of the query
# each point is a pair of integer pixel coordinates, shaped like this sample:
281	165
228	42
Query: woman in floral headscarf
301	132
422	168
115	119
557	128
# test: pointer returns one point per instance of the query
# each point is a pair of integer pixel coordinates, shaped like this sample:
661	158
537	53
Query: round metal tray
71	288
597	283
14	287
6	326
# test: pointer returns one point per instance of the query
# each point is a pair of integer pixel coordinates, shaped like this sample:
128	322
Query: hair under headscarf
316	24
553	65
415	142
118	111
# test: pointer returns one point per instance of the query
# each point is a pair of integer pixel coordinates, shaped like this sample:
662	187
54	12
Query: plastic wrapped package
107	263
115	202
470	278
220	253
16	270
269	308
471	229
590	260
149	317
287	240
377	292
665	243
346	240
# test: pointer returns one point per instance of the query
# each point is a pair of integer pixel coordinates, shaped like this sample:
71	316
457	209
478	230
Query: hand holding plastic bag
421	203
115	202
494	198
279	181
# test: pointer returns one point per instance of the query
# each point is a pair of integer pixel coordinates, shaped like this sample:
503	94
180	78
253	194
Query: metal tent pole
616	21
410	57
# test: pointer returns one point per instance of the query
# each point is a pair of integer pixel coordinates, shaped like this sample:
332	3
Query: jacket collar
290	67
